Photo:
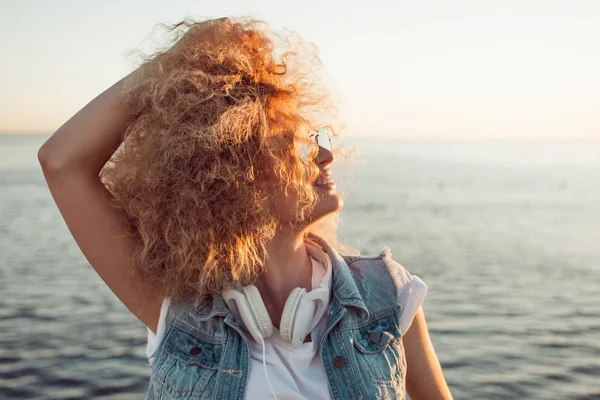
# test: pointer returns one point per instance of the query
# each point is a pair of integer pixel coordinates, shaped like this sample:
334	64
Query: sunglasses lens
321	138
304	150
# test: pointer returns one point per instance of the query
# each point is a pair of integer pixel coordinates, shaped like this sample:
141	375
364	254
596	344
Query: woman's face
329	201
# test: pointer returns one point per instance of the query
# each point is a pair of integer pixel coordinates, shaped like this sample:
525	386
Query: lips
324	178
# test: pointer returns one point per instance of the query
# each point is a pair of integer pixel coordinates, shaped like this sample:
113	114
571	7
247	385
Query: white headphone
299	317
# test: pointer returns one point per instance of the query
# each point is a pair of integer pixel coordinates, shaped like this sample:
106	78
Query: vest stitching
355	385
381	315
243	388
352	261
172	388
163	377
214	313
184	391
223	358
328	330
236	373
182	326
163	381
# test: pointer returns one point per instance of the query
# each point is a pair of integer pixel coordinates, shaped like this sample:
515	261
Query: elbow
48	161
57	157
45	157
54	162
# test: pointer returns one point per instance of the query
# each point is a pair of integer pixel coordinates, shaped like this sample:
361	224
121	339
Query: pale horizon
433	70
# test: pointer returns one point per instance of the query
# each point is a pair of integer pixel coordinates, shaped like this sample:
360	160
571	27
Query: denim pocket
380	357
186	367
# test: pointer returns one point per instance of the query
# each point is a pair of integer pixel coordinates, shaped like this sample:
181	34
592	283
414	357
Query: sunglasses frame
315	137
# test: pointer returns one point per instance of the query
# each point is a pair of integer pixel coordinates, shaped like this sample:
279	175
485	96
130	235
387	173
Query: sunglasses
322	137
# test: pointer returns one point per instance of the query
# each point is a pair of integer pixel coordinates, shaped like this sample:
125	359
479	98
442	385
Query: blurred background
478	125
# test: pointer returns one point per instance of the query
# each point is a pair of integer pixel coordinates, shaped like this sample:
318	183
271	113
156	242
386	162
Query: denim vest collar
344	288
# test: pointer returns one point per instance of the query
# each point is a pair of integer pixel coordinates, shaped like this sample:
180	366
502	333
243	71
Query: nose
325	156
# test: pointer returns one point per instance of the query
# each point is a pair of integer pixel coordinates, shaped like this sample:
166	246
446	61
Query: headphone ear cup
240	308
303	320
286	326
259	311
307	317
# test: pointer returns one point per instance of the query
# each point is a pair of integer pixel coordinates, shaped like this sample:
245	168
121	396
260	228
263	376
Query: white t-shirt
298	373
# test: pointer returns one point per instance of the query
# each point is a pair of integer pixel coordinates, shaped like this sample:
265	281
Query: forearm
88	139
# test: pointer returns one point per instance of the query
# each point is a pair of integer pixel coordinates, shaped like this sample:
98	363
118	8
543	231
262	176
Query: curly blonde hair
213	117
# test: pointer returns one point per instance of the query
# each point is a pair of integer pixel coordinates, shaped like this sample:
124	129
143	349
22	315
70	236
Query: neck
288	266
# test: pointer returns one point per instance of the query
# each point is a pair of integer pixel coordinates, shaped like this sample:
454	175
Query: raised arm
71	161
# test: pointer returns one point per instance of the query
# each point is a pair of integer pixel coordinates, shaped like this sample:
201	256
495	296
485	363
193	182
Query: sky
427	69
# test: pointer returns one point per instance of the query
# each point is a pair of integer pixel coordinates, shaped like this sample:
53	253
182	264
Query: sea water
505	234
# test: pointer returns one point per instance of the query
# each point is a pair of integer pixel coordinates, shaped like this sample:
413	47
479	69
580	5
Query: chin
329	203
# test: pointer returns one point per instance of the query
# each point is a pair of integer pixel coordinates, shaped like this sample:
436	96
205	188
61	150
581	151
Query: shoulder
376	278
383	263
382	277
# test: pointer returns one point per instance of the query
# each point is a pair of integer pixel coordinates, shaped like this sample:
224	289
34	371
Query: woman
214	223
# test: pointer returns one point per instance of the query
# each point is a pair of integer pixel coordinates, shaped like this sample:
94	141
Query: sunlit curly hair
214	117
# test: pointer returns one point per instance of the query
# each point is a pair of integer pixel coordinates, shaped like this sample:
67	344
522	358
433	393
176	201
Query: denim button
339	362
195	351
375	337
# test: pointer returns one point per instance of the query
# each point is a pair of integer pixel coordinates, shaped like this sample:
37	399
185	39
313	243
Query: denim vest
205	352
